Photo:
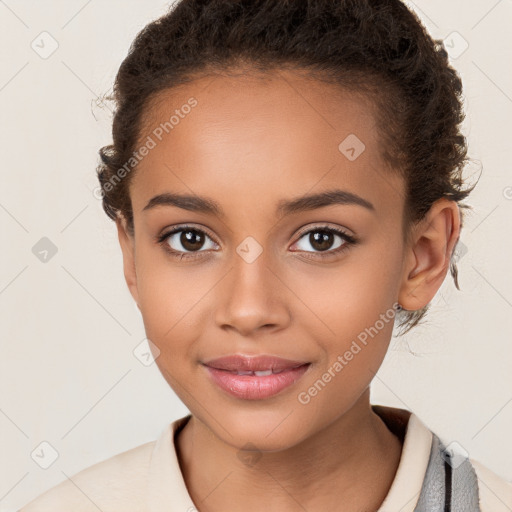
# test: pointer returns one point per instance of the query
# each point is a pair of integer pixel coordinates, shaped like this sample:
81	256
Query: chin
268	430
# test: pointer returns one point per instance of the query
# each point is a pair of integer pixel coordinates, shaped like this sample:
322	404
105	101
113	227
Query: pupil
191	240
321	240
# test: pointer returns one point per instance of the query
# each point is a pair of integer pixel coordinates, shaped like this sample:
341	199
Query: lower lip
252	387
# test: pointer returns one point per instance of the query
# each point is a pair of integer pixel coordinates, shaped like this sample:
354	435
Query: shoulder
114	484
495	492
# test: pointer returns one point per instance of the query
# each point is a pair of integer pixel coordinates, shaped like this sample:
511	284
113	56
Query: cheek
352	295
358	318
168	296
167	307
354	313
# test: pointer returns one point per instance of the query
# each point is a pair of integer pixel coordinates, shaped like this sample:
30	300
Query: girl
286	179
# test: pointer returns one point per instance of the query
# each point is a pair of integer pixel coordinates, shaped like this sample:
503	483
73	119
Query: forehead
259	138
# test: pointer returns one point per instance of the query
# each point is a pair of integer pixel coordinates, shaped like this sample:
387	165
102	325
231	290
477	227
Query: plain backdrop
69	376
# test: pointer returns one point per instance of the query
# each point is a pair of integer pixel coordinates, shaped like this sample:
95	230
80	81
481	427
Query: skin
248	144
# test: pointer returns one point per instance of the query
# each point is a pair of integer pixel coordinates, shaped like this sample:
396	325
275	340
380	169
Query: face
304	282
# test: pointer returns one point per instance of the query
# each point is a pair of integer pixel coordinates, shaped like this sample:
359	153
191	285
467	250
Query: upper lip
239	362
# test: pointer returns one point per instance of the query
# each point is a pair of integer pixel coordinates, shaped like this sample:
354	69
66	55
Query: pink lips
252	385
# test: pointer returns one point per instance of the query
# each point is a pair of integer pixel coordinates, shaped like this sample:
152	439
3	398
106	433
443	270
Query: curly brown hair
379	47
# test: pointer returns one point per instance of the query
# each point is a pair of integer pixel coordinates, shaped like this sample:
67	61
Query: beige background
68	327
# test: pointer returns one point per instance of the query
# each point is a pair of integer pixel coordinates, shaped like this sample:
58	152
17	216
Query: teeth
263	373
259	373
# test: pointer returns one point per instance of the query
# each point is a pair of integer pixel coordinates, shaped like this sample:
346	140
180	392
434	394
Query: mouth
261	363
255	378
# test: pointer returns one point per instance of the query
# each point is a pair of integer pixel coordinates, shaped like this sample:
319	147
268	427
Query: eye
182	240
323	240
186	241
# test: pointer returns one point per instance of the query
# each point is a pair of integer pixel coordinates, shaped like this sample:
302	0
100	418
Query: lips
254	365
256	377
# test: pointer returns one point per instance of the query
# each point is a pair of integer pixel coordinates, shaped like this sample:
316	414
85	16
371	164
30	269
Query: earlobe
428	256
127	244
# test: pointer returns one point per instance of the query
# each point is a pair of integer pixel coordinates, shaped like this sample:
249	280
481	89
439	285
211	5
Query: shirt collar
405	490
166	487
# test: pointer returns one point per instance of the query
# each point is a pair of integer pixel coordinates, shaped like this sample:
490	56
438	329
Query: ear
127	243
428	254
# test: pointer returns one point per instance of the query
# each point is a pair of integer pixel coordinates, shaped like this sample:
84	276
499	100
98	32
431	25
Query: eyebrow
201	204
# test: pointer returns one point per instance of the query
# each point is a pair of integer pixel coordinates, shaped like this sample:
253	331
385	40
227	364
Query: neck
348	465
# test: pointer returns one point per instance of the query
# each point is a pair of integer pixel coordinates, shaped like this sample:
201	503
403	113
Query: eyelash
348	239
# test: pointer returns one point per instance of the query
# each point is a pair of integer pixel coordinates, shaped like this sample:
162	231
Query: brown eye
183	240
321	240
324	239
191	240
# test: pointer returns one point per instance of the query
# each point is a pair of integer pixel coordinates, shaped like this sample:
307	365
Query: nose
252	297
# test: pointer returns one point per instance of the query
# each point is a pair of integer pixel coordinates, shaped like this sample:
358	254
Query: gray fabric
464	488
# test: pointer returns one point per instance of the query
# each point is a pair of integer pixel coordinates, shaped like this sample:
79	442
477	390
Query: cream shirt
148	478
